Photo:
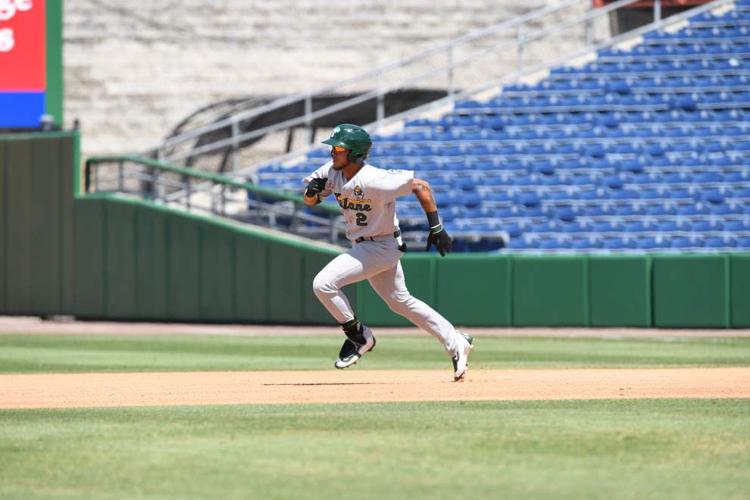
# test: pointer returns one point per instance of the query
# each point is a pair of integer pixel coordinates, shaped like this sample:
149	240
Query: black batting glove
316	186
440	238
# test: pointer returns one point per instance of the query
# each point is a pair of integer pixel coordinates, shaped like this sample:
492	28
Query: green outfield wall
116	257
152	263
619	290
692	290
37	186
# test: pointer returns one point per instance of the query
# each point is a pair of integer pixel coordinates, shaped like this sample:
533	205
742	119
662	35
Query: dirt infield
353	385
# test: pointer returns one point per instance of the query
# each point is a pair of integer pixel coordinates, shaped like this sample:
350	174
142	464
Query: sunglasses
338	149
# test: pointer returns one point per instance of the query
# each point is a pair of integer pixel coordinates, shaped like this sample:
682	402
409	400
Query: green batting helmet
354	138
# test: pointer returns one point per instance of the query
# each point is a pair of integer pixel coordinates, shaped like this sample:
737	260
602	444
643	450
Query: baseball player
367	196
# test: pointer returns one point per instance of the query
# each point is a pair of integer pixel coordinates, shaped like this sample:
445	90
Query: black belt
396	234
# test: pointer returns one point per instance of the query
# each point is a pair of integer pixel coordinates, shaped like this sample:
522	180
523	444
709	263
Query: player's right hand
441	239
316	186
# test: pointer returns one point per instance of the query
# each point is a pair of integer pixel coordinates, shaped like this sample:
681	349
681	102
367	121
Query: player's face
339	156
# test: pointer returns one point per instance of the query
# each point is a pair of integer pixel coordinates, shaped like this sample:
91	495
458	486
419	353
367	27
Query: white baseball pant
378	262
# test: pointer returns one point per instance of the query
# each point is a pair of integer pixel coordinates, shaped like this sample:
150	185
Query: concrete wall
133	70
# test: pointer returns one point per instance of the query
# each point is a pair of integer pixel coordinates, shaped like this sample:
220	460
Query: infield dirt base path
364	386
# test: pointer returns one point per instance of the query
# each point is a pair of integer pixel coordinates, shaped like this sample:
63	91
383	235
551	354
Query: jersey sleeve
321	173
393	183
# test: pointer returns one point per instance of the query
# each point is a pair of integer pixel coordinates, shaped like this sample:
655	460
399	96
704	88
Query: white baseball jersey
367	200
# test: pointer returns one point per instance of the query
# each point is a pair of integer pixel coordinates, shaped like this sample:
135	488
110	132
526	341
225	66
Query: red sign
22	45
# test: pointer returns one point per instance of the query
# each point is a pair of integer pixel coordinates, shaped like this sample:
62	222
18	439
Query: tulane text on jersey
359	206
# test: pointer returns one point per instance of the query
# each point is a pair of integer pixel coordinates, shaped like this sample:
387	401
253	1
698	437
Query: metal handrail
324	220
522	39
443	48
306	119
284	101
215	179
586	18
516	75
327	224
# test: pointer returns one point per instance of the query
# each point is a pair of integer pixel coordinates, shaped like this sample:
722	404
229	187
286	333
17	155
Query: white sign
8	8
7	42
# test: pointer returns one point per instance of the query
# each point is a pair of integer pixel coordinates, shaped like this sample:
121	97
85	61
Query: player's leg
359	263
391	286
327	285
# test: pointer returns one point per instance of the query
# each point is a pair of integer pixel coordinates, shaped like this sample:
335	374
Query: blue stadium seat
642	158
580	244
633	226
624	210
736	225
604	227
650	194
646	243
614	243
718	242
550	244
519	244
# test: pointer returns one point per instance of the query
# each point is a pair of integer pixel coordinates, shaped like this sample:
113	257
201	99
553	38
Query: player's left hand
441	239
316	186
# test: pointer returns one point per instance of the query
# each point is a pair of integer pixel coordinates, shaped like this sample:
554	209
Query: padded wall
114	257
138	261
192	269
36	222
550	291
619	290
691	291
90	263
740	290
474	289
151	271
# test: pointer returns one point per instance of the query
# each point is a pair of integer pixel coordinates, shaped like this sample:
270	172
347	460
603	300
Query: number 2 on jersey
361	219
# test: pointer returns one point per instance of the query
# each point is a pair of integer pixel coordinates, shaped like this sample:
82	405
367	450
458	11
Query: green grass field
538	449
596	449
93	353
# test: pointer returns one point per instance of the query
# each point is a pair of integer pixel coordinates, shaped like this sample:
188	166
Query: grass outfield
689	448
584	449
93	353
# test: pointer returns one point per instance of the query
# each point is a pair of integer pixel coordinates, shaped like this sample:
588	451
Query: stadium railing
175	186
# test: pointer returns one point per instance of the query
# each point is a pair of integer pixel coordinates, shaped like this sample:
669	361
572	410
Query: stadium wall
207	51
145	262
37	185
113	257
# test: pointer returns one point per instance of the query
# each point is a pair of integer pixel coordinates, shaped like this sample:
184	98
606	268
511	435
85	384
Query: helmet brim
334	142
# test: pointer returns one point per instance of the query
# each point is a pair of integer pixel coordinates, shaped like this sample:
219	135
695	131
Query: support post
451	74
657	11
520	41
235	146
381	101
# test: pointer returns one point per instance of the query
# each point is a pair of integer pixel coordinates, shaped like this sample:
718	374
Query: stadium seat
635	149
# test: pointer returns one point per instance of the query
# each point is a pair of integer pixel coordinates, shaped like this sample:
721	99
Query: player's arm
423	192
438	235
